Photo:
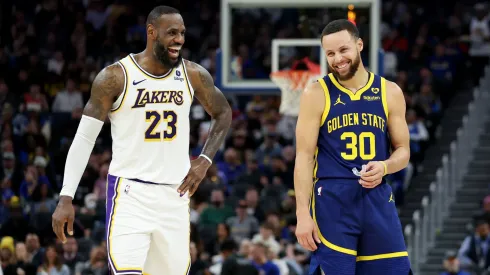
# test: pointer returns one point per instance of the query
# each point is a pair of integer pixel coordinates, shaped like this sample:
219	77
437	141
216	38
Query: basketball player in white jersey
147	97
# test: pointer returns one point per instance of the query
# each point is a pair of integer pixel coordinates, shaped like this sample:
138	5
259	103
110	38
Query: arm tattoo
215	104
106	86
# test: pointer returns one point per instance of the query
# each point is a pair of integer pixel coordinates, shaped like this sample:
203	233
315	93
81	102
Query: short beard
354	66
161	54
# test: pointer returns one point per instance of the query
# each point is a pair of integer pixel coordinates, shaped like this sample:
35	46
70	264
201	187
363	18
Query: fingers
308	242
193	189
375	177
185	185
70	225
370	184
315	235
369	170
59	228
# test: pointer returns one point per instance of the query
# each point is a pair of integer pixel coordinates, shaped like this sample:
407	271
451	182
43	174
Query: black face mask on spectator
217	203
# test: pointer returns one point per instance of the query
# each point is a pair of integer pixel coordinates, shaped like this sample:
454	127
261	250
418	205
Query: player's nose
179	39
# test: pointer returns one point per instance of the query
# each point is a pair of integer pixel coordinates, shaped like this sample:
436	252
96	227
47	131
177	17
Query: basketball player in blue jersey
147	97
349	122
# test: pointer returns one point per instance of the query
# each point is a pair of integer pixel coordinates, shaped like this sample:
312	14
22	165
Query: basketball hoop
292	82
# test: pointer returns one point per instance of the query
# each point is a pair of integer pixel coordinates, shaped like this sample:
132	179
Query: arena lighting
351	14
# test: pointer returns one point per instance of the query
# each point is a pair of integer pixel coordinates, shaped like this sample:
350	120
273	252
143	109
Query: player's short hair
340	25
158	11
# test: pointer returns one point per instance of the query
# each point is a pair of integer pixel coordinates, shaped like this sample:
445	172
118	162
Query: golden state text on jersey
353	129
150	125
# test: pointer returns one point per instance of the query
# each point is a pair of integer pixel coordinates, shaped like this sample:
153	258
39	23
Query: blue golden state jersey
353	129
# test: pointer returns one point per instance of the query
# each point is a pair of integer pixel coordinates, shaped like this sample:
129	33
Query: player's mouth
343	67
174	52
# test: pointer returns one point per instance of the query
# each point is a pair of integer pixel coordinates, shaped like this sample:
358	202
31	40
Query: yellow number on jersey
154	118
356	145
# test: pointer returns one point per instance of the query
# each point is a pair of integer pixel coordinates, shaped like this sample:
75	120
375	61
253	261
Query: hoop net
292	82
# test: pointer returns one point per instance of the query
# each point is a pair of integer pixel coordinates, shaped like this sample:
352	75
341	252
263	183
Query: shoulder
198	75
394	93
313	97
111	79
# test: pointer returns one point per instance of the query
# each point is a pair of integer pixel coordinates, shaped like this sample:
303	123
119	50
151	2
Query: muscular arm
215	104
106	86
398	129
309	119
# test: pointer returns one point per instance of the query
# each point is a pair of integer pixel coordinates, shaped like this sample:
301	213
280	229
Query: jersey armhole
326	109
384	100
120	99
190	90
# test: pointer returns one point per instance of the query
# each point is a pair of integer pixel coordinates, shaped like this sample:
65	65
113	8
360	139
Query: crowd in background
244	209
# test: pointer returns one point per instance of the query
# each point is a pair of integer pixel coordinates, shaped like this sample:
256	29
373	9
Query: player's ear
151	32
360	44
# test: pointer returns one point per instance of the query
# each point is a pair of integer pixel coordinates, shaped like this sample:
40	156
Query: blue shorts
360	231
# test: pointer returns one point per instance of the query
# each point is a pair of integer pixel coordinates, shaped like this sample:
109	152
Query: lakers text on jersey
150	125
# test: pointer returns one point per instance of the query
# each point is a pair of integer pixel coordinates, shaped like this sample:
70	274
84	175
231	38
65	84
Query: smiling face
343	52
168	36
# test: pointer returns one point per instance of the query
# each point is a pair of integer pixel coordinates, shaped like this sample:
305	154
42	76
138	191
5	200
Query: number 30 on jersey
358	147
154	118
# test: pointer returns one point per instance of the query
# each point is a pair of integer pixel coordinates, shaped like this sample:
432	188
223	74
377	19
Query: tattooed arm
108	84
216	105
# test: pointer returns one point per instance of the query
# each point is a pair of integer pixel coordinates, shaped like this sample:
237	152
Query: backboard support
266	86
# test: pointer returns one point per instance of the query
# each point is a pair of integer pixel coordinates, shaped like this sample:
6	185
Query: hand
307	232
196	173
64	213
372	174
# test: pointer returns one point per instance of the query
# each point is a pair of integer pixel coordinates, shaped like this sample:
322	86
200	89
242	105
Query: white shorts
147	227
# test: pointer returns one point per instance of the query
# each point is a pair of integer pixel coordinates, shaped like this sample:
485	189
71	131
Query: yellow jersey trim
324	241
353	96
326	109
384	100
125	90
382	256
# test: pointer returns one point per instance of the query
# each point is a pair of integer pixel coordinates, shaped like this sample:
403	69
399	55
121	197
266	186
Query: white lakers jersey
150	125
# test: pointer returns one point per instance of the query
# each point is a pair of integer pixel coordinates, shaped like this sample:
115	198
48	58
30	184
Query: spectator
53	262
69	100
242	225
451	265
418	134
260	260
71	256
473	252
216	213
21	257
266	236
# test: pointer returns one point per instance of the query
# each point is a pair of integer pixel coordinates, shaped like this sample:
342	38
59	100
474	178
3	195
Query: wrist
65	200
385	167
208	159
302	211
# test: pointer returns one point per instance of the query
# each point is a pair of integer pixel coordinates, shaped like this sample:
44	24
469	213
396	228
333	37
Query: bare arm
398	129
215	104
309	119
107	85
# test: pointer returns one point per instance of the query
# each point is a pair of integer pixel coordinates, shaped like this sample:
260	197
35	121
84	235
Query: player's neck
358	81
150	63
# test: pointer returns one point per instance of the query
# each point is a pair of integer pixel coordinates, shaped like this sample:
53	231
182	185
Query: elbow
223	116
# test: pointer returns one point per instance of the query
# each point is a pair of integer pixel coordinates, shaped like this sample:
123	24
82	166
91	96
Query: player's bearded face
352	64
163	55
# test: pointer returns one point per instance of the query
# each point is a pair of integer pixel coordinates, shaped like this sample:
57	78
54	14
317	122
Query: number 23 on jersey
154	118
